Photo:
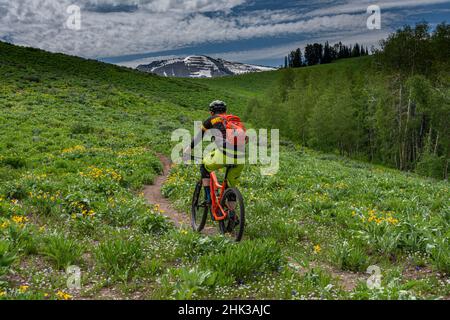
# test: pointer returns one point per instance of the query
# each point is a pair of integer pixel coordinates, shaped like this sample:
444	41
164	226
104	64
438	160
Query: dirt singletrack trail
154	196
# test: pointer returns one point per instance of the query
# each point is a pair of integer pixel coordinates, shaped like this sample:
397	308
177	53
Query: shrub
189	282
431	165
245	260
61	251
15	190
14	162
440	255
81	128
23	238
7	257
120	257
32	78
316	278
154	224
350	257
192	245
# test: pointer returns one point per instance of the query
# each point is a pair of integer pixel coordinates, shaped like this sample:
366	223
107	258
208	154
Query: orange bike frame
215	202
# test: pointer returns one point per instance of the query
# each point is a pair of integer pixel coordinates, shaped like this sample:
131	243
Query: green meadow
80	139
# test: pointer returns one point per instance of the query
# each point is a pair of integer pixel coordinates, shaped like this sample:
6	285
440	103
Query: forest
392	107
318	53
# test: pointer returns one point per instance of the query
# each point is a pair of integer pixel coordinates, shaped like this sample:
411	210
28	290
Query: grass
119	258
80	139
61	251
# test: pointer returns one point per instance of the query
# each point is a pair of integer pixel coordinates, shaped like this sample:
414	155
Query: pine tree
327	55
297	63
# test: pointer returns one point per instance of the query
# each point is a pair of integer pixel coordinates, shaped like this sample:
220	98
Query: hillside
80	139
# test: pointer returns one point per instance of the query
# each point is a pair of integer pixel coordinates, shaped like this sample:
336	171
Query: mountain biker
224	154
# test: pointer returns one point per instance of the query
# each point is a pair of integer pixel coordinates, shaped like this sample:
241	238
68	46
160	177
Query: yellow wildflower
76	149
23	289
392	220
4	225
19	219
63	296
317	249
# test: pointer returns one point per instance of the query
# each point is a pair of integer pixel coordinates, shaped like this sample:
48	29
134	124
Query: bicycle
230	221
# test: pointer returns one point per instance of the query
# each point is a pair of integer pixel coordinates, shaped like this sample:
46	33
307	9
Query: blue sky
131	32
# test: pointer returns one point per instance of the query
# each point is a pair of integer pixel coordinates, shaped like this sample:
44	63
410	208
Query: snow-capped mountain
199	67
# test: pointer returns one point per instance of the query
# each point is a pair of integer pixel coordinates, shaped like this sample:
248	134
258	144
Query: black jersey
213	122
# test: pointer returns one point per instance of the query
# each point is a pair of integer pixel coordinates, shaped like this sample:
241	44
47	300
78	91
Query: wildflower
63	296
4	225
23	288
76	149
184	231
19	219
317	249
392	220
2	293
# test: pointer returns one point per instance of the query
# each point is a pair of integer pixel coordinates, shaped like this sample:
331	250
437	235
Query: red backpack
236	132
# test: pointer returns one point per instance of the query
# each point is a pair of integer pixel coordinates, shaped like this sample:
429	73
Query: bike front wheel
199	209
233	204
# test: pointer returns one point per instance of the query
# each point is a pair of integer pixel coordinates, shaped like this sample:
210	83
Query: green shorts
217	160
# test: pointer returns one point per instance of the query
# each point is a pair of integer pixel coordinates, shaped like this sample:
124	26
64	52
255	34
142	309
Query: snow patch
200	67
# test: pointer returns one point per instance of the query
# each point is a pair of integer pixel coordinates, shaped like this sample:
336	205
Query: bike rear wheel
235	222
199	209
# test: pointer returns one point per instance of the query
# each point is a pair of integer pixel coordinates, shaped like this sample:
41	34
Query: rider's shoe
234	221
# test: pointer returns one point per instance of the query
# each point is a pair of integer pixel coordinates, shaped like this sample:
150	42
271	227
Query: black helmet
218	106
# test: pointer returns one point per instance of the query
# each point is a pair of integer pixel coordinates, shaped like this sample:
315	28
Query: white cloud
117	34
160	25
190	5
353	6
